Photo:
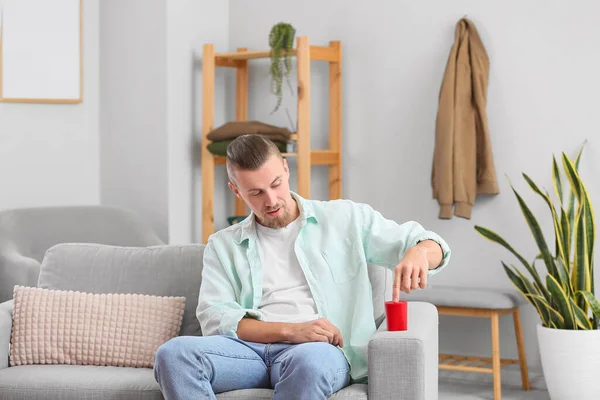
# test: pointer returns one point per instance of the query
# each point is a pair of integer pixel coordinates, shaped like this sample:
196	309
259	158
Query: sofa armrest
404	365
16	269
6	311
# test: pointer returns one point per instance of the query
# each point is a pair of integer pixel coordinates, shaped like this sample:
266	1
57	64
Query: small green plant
566	300
281	41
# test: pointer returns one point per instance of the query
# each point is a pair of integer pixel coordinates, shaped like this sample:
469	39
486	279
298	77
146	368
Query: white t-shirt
286	296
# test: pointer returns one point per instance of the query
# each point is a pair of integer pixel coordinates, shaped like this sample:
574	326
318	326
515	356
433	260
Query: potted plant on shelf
281	42
568	336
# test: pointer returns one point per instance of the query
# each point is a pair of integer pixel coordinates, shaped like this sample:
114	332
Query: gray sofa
26	234
402	365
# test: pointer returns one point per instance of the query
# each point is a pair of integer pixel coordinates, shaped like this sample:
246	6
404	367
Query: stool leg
521	349
496	355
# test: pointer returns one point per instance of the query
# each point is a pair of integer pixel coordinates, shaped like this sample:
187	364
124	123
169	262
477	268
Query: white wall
151	106
190	24
49	152
133	108
542	99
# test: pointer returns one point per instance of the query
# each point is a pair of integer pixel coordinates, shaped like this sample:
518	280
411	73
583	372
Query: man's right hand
319	330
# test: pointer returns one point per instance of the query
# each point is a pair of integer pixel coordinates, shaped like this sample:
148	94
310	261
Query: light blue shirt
337	240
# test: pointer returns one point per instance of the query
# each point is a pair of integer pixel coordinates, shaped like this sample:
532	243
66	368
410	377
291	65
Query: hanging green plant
281	41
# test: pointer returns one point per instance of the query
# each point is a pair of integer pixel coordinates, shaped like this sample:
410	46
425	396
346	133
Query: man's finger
320	338
337	338
406	273
324	332
396	286
423	277
415	279
340	340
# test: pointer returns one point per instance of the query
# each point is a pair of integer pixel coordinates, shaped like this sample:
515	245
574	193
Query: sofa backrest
379	279
164	270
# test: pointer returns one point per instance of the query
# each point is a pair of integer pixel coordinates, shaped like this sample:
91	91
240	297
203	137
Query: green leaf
558	233
571	173
558	189
583	231
538	235
592	302
562	301
570	170
494	237
528	286
562	252
590	233
564	280
567	236
555	319
527	290
581	319
581	272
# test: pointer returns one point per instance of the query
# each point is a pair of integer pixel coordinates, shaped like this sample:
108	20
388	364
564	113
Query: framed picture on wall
41	47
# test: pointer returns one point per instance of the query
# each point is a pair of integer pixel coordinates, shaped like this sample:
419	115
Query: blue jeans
190	367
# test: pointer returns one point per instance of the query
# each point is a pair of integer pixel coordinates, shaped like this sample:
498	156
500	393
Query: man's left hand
411	272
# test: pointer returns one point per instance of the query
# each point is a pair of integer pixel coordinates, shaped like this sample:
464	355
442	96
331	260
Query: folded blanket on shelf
231	130
219	148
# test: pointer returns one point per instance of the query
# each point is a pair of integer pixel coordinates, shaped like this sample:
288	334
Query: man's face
267	192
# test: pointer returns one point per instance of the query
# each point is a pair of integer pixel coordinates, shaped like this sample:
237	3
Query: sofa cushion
72	382
468	297
66	327
164	270
352	392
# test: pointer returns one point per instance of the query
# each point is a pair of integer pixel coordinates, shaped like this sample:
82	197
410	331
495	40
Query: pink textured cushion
66	327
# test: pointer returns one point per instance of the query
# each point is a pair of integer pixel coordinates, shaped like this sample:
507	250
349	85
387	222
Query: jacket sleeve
219	311
443	155
385	241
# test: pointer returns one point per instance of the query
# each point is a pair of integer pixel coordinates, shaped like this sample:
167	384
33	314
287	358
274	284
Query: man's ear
285	167
234	189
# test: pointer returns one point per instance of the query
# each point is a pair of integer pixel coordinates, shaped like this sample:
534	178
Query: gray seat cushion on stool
467	297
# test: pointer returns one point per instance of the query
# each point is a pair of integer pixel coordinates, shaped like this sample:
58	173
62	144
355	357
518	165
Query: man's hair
249	152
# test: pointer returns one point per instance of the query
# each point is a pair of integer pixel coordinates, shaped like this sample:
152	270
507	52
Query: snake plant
565	299
281	41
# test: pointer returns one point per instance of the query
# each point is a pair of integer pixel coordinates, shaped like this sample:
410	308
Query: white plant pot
571	363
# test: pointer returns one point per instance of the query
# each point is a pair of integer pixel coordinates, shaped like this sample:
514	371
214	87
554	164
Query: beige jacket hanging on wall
463	165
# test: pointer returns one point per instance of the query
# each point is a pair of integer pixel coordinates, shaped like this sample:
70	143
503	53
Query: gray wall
190	24
151	106
133	108
542	99
49	152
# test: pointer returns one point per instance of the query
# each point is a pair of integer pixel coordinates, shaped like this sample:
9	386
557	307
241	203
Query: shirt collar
248	227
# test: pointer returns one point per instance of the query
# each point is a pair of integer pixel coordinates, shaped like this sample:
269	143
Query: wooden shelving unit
306	157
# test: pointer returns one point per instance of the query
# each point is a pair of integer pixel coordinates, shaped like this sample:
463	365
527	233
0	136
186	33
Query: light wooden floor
454	390
473	386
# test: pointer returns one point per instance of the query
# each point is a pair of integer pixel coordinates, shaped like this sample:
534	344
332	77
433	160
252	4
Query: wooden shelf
305	156
321	53
452	362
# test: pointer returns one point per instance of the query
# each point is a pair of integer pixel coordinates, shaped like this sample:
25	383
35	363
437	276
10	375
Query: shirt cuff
231	319
445	250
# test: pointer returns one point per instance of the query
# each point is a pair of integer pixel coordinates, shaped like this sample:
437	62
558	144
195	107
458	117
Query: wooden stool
473	302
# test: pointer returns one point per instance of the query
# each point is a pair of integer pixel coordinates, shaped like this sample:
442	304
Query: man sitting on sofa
285	301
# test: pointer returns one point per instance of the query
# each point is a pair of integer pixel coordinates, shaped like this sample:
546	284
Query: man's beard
282	220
